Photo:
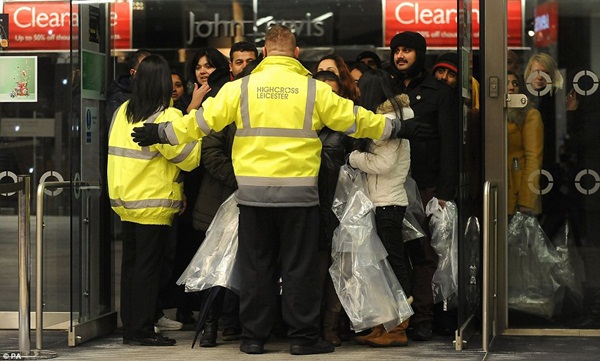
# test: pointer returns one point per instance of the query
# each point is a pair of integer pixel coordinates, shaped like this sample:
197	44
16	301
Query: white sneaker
166	324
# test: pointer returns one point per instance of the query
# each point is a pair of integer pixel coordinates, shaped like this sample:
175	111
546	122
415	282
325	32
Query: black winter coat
118	93
218	179
204	193
333	155
435	162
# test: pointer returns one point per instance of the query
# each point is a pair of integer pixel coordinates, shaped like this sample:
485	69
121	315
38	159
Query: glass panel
32	141
9	243
92	257
553	166
469	199
42	136
56	255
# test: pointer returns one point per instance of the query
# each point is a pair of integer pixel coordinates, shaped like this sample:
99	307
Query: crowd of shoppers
278	136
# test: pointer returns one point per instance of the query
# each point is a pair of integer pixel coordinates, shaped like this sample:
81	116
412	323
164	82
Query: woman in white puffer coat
386	164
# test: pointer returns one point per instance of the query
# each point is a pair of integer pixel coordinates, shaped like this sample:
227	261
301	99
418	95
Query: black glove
411	129
146	135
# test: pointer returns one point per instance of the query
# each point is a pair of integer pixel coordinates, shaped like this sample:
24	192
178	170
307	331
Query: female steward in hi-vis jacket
146	192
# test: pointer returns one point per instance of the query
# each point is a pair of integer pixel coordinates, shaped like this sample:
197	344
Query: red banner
47	25
120	22
546	25
437	21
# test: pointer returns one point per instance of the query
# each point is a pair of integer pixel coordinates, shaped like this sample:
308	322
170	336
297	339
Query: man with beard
434	161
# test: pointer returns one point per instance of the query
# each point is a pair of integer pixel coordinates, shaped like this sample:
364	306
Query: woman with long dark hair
386	164
146	192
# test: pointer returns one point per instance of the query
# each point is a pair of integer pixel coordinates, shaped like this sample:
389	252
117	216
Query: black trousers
288	236
141	271
231	310
388	220
424	263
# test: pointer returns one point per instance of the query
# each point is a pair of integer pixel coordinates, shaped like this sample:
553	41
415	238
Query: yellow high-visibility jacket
278	110
143	182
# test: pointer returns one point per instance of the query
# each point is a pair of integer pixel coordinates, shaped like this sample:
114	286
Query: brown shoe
394	338
376	332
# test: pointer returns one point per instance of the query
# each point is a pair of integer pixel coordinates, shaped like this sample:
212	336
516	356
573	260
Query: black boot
209	333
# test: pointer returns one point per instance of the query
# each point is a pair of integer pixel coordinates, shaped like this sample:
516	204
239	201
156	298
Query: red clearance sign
436	20
47	25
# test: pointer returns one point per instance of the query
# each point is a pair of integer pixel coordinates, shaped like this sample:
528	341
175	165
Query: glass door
544	274
52	128
470	190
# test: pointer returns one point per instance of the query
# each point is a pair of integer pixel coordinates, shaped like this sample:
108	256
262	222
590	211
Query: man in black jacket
434	161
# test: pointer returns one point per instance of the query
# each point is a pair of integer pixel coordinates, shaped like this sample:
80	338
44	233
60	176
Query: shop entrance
541	245
55	132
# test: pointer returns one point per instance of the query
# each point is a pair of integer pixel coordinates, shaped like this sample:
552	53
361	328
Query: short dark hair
326	75
243	46
134	59
362	67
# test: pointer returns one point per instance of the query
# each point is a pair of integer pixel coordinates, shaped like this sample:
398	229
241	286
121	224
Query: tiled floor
111	348
503	349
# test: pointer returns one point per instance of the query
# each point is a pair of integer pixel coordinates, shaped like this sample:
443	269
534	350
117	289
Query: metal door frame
493	34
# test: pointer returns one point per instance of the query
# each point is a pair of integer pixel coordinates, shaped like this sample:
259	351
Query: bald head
280	40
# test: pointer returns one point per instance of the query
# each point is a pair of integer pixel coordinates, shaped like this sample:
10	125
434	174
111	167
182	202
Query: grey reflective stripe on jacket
305	132
187	149
352	129
147	203
146	154
277	191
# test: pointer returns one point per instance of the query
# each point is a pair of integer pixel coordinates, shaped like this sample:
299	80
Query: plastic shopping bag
415	219
214	262
571	269
538	271
363	279
444	240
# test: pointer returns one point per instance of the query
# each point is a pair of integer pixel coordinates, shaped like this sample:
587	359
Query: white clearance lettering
29	17
425	16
